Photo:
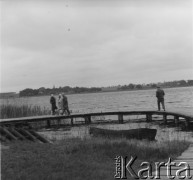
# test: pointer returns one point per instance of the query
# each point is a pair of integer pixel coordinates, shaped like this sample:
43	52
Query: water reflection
163	133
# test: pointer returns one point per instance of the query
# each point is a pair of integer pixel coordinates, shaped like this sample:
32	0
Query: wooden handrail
55	117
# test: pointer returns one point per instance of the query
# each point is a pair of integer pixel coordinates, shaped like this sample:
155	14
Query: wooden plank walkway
185	157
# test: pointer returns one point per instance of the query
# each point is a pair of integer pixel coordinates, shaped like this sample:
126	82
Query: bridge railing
88	117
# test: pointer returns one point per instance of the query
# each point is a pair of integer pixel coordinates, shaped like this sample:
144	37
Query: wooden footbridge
21	128
87	118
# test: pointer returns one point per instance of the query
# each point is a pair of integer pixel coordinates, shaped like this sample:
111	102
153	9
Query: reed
23	110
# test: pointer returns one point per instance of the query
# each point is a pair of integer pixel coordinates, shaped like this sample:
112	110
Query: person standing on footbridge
160	98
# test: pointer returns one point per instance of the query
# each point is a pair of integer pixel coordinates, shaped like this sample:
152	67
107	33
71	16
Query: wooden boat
140	133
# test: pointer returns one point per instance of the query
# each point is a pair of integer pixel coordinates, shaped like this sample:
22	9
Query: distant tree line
65	89
72	90
169	84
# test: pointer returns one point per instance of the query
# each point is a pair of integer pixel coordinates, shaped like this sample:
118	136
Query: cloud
89	43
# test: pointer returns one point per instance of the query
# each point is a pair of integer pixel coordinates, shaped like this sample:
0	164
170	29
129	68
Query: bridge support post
165	118
48	124
148	117
59	122
87	119
72	123
176	119
120	118
187	123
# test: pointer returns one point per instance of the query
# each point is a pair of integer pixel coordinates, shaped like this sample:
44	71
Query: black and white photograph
96	89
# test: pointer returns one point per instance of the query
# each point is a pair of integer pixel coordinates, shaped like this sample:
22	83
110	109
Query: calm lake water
176	99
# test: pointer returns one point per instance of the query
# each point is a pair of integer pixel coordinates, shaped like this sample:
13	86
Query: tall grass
76	159
23	110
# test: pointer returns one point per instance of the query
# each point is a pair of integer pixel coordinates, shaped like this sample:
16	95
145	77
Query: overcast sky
94	43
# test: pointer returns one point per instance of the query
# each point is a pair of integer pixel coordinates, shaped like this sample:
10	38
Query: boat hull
140	133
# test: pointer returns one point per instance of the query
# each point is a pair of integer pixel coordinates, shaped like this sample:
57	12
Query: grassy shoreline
81	159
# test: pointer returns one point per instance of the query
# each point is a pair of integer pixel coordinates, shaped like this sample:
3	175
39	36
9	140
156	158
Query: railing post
72	123
87	119
59	122
187	123
48	124
176	119
120	118
148	117
165	118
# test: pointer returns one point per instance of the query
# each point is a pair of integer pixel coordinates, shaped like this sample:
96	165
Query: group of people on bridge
62	105
63	102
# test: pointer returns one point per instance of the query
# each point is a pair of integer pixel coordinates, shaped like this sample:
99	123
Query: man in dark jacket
160	98
65	101
53	104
